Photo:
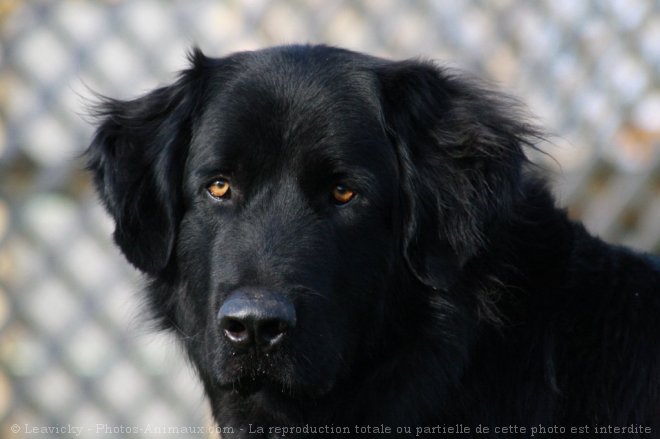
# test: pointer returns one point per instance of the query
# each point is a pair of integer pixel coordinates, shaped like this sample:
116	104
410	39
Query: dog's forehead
286	104
299	83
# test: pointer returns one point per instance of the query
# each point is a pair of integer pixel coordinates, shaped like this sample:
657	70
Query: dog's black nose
256	317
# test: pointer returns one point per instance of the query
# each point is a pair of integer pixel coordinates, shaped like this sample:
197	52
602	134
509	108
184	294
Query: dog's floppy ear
136	160
461	155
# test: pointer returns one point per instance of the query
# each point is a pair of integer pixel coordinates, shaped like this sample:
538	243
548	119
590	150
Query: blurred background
74	350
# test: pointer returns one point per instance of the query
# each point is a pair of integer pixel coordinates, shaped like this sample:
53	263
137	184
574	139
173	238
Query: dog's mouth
275	374
250	385
266	386
250	372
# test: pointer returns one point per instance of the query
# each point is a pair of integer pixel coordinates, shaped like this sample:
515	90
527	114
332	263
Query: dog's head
293	206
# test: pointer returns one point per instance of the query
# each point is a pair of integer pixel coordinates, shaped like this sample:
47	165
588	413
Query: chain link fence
75	352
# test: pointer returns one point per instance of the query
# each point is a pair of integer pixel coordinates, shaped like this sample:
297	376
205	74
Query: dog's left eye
342	194
219	188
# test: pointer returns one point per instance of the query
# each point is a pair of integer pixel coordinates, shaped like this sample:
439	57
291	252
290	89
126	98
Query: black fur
450	290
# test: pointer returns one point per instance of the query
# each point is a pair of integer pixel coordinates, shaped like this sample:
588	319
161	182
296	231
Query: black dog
352	246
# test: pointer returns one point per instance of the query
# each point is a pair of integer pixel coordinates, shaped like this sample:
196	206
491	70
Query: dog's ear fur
460	148
135	158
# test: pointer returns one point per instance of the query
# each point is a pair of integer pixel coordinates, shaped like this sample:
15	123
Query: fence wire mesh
73	349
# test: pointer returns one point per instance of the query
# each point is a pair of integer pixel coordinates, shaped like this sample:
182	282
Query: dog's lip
267	384
245	385
248	386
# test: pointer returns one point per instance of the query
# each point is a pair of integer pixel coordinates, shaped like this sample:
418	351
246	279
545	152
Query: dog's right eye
342	194
219	189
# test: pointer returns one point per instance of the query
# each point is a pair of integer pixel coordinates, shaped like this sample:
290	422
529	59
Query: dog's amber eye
342	194
219	188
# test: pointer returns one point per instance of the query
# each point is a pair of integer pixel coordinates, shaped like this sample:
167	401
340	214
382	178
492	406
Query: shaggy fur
450	289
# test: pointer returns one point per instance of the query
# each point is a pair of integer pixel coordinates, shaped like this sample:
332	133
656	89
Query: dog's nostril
271	331
235	330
